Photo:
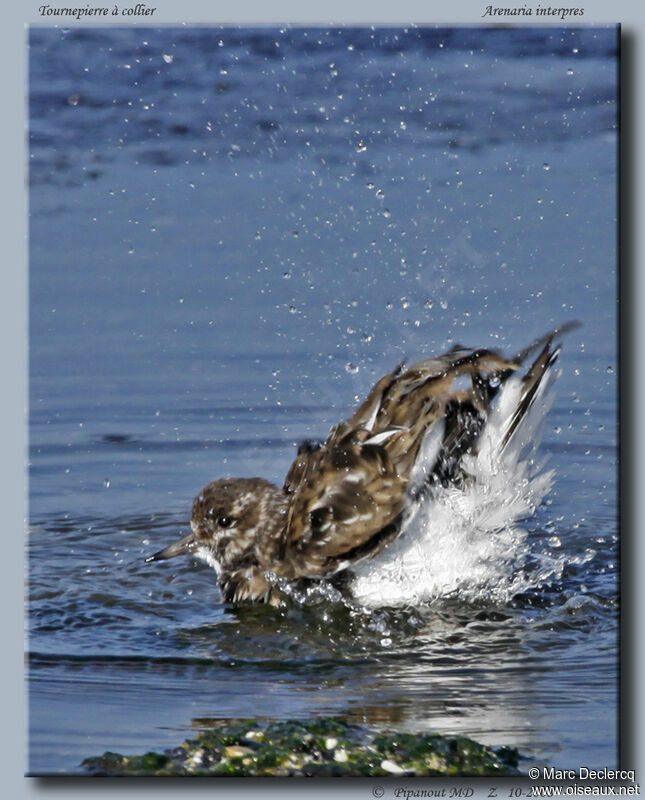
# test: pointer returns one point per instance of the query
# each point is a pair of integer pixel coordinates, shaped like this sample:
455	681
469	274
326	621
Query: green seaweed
327	747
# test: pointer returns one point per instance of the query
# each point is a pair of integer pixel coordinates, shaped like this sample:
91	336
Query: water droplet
258	235
443	304
610	369
428	304
387	213
380	194
351	368
546	167
73	100
106	483
361	147
293	309
403	125
366	337
168	58
286	275
569	72
554	541
370	185
494	381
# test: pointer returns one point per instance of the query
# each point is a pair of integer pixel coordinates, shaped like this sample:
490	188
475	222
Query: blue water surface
234	232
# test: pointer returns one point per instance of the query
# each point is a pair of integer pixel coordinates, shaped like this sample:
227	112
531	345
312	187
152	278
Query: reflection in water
480	672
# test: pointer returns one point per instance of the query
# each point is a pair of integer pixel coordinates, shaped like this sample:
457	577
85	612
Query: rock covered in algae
324	747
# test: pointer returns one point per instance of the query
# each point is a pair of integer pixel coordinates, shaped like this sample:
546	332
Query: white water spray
467	542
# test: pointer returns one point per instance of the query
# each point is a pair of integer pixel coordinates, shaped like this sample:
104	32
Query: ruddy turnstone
345	499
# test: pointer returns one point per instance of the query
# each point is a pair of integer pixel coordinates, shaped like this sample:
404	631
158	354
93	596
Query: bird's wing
347	498
348	495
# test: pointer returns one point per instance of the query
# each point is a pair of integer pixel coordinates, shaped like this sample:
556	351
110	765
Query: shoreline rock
328	747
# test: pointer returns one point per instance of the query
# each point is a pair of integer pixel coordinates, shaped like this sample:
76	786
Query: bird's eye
225	522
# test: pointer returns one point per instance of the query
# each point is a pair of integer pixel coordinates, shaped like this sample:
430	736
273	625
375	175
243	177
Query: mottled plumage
347	498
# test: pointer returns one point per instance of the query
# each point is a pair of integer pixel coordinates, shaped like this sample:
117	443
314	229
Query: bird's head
234	521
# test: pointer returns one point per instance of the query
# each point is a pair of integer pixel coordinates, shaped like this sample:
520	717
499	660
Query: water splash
467	542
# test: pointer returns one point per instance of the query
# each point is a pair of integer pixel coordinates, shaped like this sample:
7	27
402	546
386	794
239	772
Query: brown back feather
348	495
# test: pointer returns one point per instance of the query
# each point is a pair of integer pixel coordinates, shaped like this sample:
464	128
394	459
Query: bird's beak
183	547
